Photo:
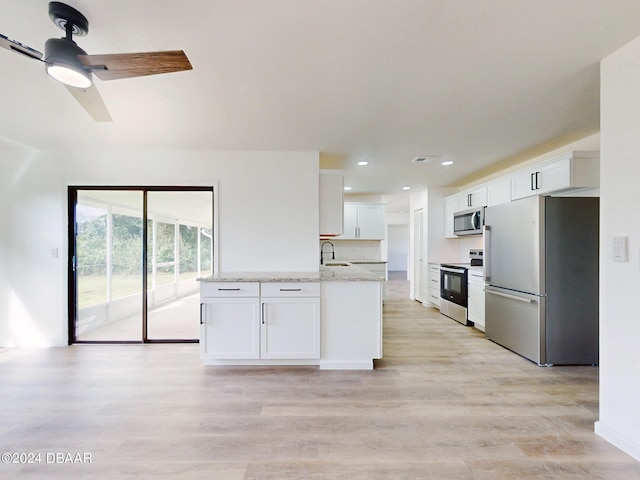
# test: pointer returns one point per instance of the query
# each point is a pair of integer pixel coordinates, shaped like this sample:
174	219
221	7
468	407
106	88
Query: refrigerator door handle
486	234
512	297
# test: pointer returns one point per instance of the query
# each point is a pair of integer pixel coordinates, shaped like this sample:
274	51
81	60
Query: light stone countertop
349	273
370	262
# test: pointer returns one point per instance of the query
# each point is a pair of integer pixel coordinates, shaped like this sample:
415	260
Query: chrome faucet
333	252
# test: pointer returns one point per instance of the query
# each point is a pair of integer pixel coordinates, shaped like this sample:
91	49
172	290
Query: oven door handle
459	271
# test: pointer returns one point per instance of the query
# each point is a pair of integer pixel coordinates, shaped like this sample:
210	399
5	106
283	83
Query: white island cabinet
290	325
331	319
254	320
230	320
351	325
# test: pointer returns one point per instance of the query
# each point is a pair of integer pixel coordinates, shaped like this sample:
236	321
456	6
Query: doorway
136	253
418	253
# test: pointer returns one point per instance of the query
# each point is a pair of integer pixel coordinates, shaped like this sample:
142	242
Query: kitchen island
331	318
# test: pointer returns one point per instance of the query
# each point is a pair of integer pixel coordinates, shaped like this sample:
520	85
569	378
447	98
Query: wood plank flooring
444	403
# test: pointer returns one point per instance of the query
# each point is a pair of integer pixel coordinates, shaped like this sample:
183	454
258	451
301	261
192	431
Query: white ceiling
473	81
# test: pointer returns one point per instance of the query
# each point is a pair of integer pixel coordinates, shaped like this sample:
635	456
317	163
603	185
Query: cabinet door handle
532	183
290	289
263	314
537	180
228	289
486	271
201	317
469	200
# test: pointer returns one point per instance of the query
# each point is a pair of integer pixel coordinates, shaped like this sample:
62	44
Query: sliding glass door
178	251
136	253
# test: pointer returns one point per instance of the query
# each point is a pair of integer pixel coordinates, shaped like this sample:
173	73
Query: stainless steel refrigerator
541	271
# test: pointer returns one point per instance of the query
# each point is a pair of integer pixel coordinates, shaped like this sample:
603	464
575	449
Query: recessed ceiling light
363	163
448	162
406	188
347	188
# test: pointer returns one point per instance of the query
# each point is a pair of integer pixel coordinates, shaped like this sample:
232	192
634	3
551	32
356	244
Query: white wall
267	220
620	282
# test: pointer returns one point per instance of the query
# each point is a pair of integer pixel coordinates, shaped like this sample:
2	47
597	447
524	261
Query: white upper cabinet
499	192
331	202
476	197
363	221
564	174
573	170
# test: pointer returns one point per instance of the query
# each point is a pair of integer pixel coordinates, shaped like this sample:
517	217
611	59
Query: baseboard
618	440
258	362
346	364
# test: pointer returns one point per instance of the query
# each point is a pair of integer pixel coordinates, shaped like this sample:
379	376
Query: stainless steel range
453	292
453	287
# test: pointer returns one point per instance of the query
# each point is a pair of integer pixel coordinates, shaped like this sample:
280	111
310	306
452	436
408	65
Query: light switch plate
620	253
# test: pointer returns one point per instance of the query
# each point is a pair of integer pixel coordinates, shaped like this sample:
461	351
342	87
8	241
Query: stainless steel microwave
468	222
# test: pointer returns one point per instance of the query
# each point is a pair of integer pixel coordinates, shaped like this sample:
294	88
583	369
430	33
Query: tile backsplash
353	249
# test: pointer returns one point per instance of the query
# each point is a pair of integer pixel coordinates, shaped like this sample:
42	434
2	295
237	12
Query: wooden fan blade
91	101
19	48
127	65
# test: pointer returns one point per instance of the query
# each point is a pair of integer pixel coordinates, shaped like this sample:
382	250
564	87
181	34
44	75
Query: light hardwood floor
444	403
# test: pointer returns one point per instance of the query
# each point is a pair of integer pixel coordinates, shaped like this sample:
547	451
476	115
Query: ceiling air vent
426	159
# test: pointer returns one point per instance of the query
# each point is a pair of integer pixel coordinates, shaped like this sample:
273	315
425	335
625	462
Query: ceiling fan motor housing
60	53
62	50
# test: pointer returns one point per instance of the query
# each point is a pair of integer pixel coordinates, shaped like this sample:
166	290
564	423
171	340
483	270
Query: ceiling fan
68	63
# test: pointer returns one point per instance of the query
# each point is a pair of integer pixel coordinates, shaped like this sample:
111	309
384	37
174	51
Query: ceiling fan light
69	76
61	57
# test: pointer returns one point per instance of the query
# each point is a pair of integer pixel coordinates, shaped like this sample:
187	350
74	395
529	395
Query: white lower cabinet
475	308
434	284
290	328
272	321
230	328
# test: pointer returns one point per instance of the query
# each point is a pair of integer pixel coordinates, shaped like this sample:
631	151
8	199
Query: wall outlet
620	252
54	252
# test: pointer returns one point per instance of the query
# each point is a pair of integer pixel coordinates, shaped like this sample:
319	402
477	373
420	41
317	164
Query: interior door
418	252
